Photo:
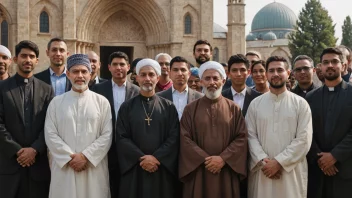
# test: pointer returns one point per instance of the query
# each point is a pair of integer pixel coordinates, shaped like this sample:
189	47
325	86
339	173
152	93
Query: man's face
147	78
5	63
79	76
277	74
320	73
331	66
238	73
179	73
119	68
26	60
252	59
57	53
259	74
212	83
194	83
94	62
202	53
303	72
164	63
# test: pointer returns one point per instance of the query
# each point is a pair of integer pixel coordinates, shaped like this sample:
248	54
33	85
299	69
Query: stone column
176	23
236	42
206	20
22	21
69	24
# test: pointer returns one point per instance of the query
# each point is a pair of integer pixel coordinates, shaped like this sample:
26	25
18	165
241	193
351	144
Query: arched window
216	54
44	22
4	33
188	24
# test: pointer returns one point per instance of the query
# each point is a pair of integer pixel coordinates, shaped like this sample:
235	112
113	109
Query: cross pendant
148	120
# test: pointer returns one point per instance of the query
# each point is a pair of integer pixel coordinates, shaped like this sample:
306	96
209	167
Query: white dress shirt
180	100
119	94
238	98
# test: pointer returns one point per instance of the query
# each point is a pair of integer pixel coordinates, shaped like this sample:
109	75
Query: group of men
65	132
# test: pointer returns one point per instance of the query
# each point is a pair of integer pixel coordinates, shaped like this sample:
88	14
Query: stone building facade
139	28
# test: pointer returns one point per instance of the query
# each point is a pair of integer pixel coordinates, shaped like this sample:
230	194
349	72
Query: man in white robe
78	132
279	137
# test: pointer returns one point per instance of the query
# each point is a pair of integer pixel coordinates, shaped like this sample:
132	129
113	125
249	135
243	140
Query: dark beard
277	86
199	61
331	78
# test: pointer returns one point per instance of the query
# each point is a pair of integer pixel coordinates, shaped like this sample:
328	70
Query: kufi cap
5	51
195	71
78	59
212	65
148	62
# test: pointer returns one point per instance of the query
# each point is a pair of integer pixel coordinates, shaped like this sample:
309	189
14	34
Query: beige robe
79	123
279	127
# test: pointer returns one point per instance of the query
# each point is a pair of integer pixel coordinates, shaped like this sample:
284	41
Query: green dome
269	36
251	37
274	16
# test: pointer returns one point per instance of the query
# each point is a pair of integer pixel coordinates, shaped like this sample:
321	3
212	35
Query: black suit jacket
192	95
250	95
12	129
340	142
45	76
105	89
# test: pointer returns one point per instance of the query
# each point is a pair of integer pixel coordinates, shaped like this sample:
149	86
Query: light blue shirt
58	82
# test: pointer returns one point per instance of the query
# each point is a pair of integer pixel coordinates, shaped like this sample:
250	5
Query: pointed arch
4	33
44	25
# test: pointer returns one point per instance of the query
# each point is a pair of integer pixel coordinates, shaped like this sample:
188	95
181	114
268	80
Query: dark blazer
339	144
250	95
101	80
12	128
45	76
192	95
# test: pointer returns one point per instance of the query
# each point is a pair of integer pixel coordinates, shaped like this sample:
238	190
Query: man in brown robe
213	141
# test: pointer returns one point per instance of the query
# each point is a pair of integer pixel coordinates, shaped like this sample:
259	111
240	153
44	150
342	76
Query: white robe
79	123
279	127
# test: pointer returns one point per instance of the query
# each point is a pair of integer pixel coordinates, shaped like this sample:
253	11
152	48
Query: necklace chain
148	116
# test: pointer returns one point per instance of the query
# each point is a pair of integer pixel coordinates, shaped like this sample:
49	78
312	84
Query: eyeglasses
193	81
165	63
300	69
333	62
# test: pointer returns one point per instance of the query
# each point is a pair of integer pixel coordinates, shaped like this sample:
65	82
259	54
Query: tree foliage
347	33
315	31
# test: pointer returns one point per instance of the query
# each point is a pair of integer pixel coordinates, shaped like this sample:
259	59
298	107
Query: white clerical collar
96	79
243	92
331	88
173	90
53	73
114	84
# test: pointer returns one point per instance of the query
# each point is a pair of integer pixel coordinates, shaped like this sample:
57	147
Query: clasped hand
214	164
272	168
149	163
26	156
326	163
78	162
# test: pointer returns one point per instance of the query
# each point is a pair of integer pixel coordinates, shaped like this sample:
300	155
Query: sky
337	12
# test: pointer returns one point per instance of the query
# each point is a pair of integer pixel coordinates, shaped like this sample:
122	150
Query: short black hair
274	59
262	62
238	58
251	53
303	57
56	39
332	50
179	59
200	42
224	64
118	54
26	44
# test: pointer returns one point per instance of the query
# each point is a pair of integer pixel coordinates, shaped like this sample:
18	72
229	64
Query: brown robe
212	128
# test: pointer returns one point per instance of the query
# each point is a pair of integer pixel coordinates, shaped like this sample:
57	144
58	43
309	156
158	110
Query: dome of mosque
251	37
274	16
269	36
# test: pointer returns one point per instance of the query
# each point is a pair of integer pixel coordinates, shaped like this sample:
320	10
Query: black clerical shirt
330	95
297	90
26	92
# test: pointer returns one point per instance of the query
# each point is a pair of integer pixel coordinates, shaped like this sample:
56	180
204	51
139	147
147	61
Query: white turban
212	65
148	62
5	51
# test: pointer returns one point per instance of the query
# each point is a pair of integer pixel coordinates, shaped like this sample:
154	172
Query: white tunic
79	123
279	127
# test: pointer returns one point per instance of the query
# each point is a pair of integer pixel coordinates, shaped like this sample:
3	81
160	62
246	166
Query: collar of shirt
52	73
243	92
96	79
175	91
116	85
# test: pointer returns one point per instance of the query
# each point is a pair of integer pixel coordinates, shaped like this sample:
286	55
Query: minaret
236	42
